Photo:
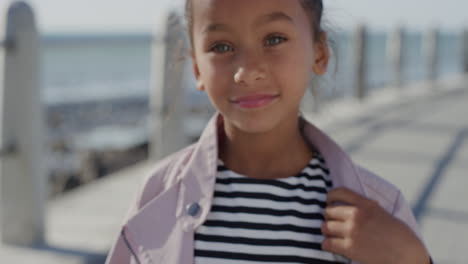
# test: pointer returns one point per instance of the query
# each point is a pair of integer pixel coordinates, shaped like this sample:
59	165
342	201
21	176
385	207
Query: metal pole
23	182
465	51
360	62
167	100
395	56
431	54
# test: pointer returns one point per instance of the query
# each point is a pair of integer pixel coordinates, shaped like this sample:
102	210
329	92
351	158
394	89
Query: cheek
214	71
217	78
297	55
292	69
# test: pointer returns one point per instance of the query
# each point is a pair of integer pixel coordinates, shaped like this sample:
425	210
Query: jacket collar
343	171
200	171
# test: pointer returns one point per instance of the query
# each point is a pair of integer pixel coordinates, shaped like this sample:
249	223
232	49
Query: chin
255	125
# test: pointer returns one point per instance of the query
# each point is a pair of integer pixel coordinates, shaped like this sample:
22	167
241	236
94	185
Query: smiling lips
254	101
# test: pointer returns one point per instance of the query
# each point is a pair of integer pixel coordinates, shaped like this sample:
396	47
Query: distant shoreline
59	38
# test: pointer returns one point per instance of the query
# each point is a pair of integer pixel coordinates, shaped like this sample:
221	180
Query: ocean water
83	68
379	74
83	75
88	68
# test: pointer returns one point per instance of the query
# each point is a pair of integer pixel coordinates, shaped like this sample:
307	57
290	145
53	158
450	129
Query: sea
95	88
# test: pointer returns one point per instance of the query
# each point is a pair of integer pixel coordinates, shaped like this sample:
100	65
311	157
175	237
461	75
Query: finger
335	245
339	212
334	229
344	196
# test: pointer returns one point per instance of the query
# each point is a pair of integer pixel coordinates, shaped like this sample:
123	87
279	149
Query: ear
321	55
196	72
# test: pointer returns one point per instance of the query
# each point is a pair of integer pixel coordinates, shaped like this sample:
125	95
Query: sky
140	16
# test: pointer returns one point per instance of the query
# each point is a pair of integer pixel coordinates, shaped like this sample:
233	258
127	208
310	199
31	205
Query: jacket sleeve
121	252
403	211
393	200
391	197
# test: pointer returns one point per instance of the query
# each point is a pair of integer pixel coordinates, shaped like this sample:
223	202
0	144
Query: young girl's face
254	58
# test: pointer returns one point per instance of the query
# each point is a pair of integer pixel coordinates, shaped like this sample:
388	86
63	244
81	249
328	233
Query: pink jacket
160	226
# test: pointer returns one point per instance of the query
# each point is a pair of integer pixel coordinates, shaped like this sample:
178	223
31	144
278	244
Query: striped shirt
256	221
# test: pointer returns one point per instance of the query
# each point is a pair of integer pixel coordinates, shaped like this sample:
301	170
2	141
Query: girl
263	185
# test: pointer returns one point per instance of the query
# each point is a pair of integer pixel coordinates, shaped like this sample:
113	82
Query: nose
251	68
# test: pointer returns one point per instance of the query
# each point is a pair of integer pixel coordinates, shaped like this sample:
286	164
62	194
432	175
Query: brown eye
221	48
275	40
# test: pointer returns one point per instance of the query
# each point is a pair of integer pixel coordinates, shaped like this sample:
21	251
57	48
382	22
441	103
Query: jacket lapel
343	171
163	230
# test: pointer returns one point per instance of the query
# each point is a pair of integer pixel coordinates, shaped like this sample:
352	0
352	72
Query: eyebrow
215	27
272	17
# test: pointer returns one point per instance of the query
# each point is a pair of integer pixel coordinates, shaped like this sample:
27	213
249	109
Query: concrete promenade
422	147
418	142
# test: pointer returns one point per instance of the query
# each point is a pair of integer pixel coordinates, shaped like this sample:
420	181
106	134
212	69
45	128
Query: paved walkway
82	224
421	145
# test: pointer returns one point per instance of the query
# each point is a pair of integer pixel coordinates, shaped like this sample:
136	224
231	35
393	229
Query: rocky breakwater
89	140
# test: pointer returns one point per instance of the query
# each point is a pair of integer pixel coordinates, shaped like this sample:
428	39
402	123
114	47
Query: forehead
237	12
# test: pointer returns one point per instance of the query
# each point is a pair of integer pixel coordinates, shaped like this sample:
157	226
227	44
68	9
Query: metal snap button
141	249
193	209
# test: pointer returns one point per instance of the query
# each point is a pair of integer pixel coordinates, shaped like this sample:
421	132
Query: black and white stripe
266	221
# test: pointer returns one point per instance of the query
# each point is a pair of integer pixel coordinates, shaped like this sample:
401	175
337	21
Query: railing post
167	92
23	182
360	62
465	51
395	56
431	54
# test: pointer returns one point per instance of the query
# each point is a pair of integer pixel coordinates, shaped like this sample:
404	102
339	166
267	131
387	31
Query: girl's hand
358	228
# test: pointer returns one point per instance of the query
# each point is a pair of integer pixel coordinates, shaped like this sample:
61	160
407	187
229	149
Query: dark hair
313	8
